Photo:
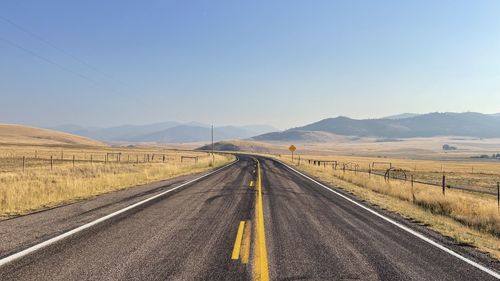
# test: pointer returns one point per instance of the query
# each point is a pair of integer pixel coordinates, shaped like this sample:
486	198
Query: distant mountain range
165	132
468	124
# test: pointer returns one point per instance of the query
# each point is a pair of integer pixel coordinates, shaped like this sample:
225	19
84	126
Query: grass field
474	175
94	170
469	218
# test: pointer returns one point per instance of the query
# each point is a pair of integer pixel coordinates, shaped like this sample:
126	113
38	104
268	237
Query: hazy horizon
199	123
283	63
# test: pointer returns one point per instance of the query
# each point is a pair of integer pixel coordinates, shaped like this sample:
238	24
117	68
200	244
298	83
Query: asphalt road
209	230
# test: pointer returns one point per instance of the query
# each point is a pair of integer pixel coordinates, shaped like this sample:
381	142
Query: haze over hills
468	124
166	132
406	125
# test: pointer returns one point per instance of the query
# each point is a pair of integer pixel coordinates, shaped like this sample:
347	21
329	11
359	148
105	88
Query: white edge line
53	240
415	233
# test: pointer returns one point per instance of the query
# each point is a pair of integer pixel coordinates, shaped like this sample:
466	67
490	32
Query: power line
64	68
54	46
69	70
13	44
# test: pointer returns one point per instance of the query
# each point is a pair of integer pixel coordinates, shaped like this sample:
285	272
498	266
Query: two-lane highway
237	225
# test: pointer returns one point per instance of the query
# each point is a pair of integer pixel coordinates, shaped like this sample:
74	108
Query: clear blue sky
283	63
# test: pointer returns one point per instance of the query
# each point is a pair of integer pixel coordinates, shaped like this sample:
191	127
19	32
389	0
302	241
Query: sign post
292	149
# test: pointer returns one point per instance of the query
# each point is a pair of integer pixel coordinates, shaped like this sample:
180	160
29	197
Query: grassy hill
24	135
467	124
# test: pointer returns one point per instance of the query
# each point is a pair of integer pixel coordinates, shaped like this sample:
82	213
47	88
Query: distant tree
449	147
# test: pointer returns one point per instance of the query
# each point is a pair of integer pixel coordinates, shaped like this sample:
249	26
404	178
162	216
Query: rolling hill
24	135
468	124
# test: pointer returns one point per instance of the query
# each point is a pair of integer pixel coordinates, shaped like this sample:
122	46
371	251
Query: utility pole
213	156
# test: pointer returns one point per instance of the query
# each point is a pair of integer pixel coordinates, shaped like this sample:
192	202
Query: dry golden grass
39	187
467	217
24	135
478	175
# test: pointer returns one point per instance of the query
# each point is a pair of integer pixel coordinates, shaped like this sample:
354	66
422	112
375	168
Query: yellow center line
245	244
251	183
261	268
237	243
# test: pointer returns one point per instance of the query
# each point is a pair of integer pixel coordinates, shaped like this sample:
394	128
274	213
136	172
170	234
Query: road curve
203	232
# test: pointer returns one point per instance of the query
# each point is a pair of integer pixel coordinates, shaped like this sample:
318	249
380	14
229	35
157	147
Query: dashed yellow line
252	183
245	243
237	243
260	268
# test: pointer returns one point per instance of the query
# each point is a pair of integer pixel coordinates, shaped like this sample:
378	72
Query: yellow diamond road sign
292	148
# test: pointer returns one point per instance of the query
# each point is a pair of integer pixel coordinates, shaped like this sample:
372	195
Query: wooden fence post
498	195
412	190
444	184
73	160
24	160
51	162
36	154
91	159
